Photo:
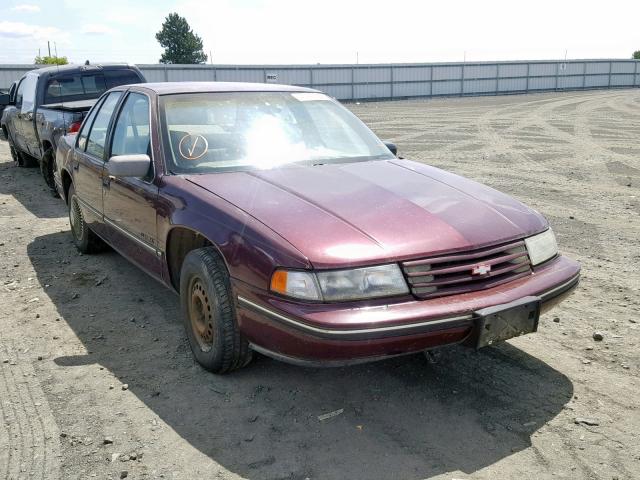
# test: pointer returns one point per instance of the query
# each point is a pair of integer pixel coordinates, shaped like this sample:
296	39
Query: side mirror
5	99
129	166
392	147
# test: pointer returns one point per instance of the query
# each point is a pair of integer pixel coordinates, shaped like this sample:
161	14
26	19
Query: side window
131	133
86	126
29	92
19	93
98	134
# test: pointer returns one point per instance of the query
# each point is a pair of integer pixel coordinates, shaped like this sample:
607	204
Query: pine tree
180	44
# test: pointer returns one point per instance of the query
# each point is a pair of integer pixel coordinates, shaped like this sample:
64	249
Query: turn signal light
279	281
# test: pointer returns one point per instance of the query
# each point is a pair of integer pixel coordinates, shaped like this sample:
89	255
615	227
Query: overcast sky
328	31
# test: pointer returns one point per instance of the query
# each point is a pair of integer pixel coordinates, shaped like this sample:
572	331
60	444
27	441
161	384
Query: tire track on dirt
29	430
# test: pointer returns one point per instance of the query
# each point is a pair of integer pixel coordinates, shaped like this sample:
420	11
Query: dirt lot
96	377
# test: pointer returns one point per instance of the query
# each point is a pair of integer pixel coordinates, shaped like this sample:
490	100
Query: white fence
394	81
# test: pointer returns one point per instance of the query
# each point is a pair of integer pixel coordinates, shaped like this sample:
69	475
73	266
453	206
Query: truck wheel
209	313
15	154
85	240
48	167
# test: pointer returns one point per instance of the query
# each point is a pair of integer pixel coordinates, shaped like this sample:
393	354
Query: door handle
76	166
29	116
106	180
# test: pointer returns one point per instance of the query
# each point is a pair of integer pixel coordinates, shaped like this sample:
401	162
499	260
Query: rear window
85	86
115	78
69	88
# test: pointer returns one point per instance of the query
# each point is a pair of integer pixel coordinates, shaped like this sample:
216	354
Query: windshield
212	132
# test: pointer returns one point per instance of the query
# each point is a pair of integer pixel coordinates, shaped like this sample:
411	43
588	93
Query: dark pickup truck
50	102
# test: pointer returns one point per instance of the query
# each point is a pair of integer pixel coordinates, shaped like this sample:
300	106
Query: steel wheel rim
201	315
76	220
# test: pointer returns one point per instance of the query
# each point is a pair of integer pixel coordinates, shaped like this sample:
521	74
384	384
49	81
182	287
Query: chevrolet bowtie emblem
481	269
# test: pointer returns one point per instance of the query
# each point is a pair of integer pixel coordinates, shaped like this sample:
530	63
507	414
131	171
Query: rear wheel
83	237
209	313
48	167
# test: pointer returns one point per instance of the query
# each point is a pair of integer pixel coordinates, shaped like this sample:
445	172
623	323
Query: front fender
250	249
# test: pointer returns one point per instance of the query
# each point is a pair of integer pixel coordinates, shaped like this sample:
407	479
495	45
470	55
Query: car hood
375	211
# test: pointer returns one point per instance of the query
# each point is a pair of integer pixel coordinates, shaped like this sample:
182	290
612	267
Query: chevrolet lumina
288	228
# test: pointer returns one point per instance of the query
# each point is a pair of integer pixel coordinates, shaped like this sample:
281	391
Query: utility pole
357	58
55	48
49	47
210	57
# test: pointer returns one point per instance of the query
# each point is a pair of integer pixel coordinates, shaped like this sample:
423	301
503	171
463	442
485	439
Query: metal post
635	74
311	76
584	75
353	90
166	72
431	81
610	68
528	68
264	75
462	82
391	80
557	73
497	77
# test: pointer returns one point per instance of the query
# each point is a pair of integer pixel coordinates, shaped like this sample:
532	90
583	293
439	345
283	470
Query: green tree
47	60
180	44
636	55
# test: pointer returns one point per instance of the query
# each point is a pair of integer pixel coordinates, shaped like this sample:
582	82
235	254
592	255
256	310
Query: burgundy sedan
288	228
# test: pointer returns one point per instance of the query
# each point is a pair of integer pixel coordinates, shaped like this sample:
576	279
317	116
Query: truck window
98	134
70	88
115	78
29	92
19	92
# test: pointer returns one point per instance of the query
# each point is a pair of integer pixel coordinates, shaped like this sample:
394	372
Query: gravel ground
97	380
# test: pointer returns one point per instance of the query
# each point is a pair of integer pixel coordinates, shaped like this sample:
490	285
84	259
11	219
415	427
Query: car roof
80	67
166	88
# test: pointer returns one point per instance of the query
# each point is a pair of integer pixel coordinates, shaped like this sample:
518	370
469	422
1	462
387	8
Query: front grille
452	274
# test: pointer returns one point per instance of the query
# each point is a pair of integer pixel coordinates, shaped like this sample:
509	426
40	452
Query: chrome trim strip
88	207
565	286
113	224
334	332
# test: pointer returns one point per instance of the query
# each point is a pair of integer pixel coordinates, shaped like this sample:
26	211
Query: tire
15	154
84	239
209	313
47	168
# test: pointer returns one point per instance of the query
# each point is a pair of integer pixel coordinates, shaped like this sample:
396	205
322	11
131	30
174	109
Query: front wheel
209	314
83	237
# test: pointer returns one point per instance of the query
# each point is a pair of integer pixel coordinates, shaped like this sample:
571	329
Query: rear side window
98	134
69	88
86	126
115	78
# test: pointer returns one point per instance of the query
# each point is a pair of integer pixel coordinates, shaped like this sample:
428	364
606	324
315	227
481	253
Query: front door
129	203
88	164
27	113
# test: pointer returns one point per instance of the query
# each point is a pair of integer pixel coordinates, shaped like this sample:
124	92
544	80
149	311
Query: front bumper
331	334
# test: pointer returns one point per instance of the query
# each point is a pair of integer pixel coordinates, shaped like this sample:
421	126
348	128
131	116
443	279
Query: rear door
89	159
130	203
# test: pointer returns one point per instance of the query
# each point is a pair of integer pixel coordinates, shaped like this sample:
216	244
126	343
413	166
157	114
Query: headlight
334	285
541	247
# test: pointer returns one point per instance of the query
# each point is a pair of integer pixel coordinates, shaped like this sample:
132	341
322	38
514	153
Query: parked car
288	228
49	102
5	96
